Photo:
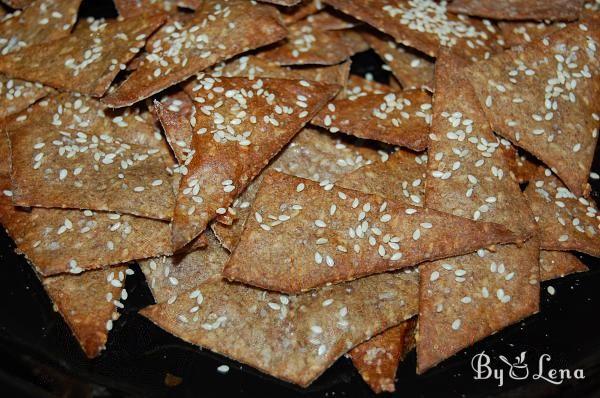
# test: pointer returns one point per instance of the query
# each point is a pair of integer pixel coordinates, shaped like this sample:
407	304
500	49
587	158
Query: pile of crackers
284	211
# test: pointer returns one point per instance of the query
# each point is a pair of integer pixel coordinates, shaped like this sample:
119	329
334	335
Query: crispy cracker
545	97
5	191
86	61
397	118
176	124
300	11
293	338
557	264
17	3
306	44
285	3
359	87
42	21
425	25
220	30
132	8
548	10
517	33
330	20
307	226
312	154
16	95
566	222
167	277
239	126
4	155
377	360
412	69
88	303
57	240
464	299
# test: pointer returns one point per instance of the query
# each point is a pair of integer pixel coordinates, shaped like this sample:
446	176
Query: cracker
309	45
41	21
285	3
176	124
293	338
377	360
57	240
4	155
88	303
565	221
411	68
86	61
301	228
301	11
556	264
329	20
425	25
517	33
397	118
240	125
547	10
359	87
180	49
5	191
17	3
132	8
464	299
311	154
16	95
554	121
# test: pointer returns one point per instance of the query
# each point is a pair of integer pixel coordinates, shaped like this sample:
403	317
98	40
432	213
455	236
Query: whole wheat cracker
557	264
539	10
132	8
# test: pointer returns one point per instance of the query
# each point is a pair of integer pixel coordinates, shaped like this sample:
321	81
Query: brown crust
557	264
397	118
518	33
176	125
28	93
538	10
267	258
567	140
132	8
254	26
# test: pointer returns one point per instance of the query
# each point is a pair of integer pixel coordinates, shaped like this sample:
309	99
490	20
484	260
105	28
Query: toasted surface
543	97
557	264
516	33
175	121
16	95
132	8
306	227
548	10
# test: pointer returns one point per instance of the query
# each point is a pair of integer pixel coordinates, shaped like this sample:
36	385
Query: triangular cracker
377	360
320	234
220	30
57	240
177	127
556	264
464	299
41	21
86	61
88	303
545	97
547	10
397	118
309	45
66	153
294	338
132	8
425	25
412	69
566	222
301	11
16	95
239	126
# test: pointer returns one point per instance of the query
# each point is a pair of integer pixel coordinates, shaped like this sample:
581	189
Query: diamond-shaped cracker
88	303
42	21
57	240
377	360
323	234
309	45
312	154
565	221
425	25
220	30
64	155
293	338
557	264
516	33
86	61
464	299
239	126
548	10
16	95
545	98
412	69
132	8
397	118
176	124
169	276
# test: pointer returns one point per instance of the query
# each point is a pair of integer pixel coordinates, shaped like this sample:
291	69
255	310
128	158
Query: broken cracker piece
300	11
16	95
320	234
88	60
377	359
425	25
557	264
239	126
511	10
220	30
397	118
545	98
88	303
177	127
133	8
565	221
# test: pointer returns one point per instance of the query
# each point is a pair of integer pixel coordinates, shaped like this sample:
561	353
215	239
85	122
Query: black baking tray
40	358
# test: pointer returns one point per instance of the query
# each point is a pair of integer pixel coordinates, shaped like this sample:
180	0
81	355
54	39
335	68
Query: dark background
40	358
